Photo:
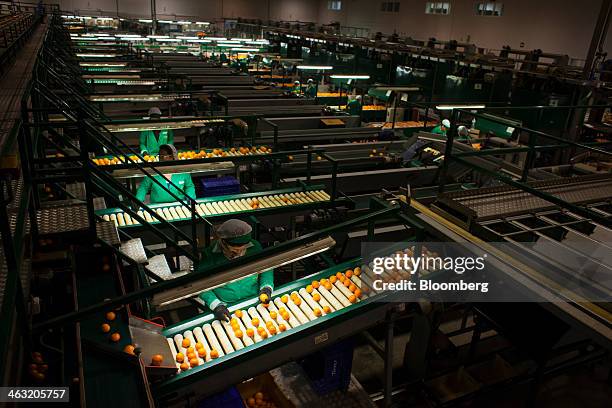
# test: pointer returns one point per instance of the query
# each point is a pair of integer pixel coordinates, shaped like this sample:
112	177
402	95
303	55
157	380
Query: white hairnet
233	228
463	131
154	111
446	123
171	148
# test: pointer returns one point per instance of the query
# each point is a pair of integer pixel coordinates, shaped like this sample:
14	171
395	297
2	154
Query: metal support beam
599	37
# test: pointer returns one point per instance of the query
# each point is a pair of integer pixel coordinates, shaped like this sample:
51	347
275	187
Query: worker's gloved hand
222	313
265	295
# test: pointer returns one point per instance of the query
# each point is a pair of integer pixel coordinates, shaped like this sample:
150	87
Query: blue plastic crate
330	369
212	187
229	398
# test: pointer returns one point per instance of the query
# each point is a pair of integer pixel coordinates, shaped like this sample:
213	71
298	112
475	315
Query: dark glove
265	295
221	313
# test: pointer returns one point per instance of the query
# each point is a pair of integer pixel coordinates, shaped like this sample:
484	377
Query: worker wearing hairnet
311	89
181	180
463	134
150	140
233	241
354	106
441	129
297	88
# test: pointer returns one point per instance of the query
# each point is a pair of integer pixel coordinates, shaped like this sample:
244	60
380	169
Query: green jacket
438	131
311	91
297	89
238	291
354	107
159	195
150	144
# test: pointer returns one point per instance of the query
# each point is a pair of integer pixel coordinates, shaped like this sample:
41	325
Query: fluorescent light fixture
217	38
187	38
158	36
451	107
143	20
239	39
103	35
202	22
245	49
226	45
96	55
349	76
315	67
129	35
103	64
167	40
165	21
200	41
105	18
184	22
234	274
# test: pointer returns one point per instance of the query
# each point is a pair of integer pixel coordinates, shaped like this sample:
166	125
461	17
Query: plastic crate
229	398
212	187
330	369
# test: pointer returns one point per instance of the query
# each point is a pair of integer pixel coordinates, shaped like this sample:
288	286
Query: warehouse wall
303	10
560	26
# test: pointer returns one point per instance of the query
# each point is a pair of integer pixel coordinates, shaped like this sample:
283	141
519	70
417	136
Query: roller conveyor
224	205
302	316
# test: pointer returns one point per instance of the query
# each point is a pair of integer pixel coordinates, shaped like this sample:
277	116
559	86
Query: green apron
354	107
297	89
159	195
150	144
235	292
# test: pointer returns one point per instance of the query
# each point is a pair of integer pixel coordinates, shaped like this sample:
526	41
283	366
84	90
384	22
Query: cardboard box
264	383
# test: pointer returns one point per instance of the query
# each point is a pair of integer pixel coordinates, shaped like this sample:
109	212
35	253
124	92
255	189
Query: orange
191	355
332	279
339	275
190	350
349	273
194	362
238	313
282	327
199	346
258	395
282	311
297	301
294	295
286	316
352	299
129	349
202	353
180	357
266	305
327	309
263	335
185	366
238	333
105	328
110	315
352	287
115	337
234	323
317	312
290	158
315	284
316	297
322	281
157	360
328	286
272	330
357	271
250	333
357	293
273	315
186	342
309	288
263	298
346	283
284	298
214	353
255	322
319	158
365	289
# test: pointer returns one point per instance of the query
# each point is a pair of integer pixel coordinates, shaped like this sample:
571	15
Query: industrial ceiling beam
599	37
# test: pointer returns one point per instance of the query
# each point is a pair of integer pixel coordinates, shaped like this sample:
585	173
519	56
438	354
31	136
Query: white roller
174	213
179	212
245	339
211	209
140	214
365	278
188	334
335	304
236	342
202	209
271	201
311	196
178	340
128	219
356	281
106	217
263	312
263	202
255	315
323	302
306	309
343	289
113	218
292	320
167	214
199	335
338	295
305	197
173	351
222	337
311	302
277	200
148	217
246	321
224	207
297	198
120	220
326	196
297	312
187	211
160	212
217	208
279	318
230	204
212	339
245	204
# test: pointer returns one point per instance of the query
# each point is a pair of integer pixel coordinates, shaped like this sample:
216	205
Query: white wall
558	26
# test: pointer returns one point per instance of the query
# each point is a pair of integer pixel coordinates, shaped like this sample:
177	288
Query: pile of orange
260	400
344	278
38	368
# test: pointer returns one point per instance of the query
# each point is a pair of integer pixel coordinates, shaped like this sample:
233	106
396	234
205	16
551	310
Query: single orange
357	293
286	316
180	357
327	309
328	285
317	312
190	349
214	353
110	316
255	322
272	330
194	362
250	333
238	333
251	402
309	289
273	315
352	299
282	327
263	298
115	337
284	298
129	349
191	355
352	287
157	360
199	346
202	353
332	279
238	313
297	301
348	273
186	342
339	275
346	283
105	328
315	284
185	366
258	395
357	271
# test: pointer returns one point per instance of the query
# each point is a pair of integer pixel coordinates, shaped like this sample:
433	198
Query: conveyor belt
223	206
496	202
139	97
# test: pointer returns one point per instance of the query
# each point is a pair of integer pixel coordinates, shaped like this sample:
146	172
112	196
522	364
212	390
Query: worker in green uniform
150	140
463	134
223	58
233	241
181	180
441	129
311	89
297	88
354	106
